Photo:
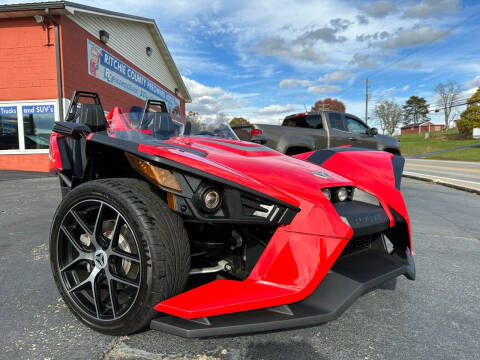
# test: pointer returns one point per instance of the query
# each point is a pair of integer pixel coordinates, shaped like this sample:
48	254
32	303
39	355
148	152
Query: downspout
59	67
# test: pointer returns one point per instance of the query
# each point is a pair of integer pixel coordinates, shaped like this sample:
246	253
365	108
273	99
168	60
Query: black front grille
360	243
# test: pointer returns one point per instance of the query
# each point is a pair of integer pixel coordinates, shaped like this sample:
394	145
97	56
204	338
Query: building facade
419	128
49	50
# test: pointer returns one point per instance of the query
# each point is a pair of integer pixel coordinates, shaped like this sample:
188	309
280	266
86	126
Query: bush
469	119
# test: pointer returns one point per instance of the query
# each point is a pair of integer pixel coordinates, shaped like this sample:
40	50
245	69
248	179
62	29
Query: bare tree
389	115
448	94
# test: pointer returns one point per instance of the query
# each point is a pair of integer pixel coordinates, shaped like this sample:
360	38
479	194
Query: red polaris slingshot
182	227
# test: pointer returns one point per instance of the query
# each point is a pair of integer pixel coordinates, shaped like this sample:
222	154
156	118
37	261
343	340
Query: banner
8	110
38	109
108	68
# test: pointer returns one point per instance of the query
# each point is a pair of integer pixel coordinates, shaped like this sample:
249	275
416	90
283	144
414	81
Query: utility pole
366	101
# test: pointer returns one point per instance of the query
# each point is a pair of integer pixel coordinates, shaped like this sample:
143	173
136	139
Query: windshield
163	125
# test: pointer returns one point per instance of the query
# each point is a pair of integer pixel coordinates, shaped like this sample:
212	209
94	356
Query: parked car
317	130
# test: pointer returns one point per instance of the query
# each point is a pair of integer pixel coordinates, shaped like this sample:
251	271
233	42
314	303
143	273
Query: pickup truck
317	130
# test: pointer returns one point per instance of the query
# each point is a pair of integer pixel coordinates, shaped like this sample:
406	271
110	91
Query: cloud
474	83
197	90
409	38
323	89
302	48
431	8
363	61
275	109
379	9
362	20
291	83
405	88
376	36
326	34
208	100
281	48
335	76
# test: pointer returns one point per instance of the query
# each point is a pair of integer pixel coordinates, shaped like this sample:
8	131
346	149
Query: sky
266	59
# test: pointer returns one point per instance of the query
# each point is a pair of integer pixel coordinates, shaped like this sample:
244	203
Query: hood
251	165
388	141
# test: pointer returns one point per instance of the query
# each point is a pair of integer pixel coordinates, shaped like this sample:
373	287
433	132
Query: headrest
93	116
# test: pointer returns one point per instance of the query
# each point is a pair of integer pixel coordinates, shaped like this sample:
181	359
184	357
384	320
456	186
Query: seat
161	125
93	116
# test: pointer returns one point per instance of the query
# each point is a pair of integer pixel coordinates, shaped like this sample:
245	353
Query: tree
329	104
194	119
448	94
415	110
470	118
239	121
389	115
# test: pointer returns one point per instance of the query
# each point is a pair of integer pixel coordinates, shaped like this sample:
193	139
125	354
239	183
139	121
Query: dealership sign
106	67
38	109
8	110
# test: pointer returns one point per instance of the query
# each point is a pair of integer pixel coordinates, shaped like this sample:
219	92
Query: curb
441	181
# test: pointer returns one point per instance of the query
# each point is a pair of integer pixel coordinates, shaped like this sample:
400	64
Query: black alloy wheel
116	250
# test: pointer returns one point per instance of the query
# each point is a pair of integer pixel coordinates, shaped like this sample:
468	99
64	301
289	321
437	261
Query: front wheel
116	250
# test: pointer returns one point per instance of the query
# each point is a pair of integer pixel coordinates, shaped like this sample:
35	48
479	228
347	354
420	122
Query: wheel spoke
80	222
115	233
125	255
113	296
80	285
122	280
72	240
73	263
96	294
98	222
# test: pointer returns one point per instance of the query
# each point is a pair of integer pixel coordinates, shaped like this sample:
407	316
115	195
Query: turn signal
162	177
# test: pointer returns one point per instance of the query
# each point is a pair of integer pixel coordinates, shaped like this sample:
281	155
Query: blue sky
265	59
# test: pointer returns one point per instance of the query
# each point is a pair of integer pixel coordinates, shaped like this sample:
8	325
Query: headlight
339	194
327	193
342	194
211	199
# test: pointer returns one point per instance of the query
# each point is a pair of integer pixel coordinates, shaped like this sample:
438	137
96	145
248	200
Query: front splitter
348	279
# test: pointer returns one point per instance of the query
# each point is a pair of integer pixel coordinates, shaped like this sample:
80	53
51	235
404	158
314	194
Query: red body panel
298	255
55	160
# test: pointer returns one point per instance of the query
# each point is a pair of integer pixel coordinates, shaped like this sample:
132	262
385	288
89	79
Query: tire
135	255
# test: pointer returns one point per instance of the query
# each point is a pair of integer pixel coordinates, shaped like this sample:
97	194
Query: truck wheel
116	250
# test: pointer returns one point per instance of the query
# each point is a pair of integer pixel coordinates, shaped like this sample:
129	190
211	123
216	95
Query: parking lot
435	317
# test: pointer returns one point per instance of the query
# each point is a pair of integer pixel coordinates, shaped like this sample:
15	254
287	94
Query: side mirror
258	139
372	131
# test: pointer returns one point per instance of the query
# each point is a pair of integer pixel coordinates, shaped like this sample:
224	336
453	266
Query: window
355	126
336	121
25	126
311	121
37	125
8	128
314	121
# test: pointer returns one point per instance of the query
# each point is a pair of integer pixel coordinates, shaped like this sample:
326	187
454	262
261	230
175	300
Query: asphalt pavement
435	317
460	173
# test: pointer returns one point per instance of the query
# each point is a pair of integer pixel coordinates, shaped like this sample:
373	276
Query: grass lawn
440	140
471	154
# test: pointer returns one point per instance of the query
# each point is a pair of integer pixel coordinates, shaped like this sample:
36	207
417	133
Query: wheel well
294	150
393	151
